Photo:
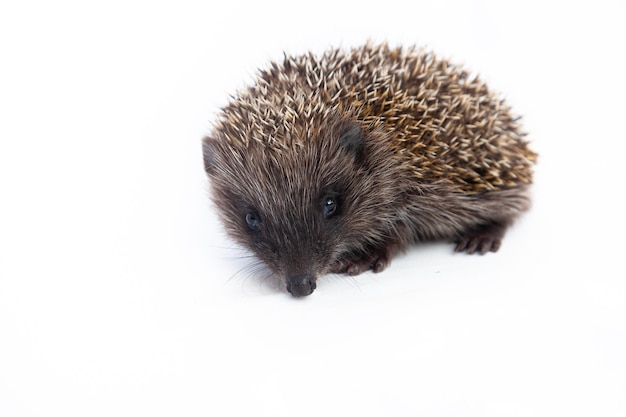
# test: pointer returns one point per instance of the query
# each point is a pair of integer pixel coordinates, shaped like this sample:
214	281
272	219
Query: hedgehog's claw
482	239
376	261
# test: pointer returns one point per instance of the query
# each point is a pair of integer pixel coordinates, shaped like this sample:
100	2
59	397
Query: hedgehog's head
305	205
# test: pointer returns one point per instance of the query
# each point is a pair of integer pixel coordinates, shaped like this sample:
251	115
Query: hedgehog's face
300	209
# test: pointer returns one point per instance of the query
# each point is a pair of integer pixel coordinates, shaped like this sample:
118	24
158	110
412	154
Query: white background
120	295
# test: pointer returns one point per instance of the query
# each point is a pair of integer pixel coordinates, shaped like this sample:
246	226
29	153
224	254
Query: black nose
301	285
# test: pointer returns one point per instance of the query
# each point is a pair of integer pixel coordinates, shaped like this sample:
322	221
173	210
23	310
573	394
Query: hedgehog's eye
330	206
253	220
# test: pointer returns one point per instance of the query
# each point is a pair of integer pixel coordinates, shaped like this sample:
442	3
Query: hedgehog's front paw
376	261
483	239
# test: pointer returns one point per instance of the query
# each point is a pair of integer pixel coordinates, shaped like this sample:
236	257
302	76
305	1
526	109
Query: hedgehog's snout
301	285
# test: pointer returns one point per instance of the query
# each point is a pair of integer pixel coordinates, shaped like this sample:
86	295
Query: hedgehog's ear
208	154
352	141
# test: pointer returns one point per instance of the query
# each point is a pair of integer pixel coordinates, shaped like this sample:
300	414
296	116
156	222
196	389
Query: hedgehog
337	162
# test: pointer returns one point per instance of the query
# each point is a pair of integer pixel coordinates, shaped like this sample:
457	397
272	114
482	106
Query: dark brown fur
313	185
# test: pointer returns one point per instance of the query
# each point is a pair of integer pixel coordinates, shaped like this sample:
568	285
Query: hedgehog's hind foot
482	239
377	261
